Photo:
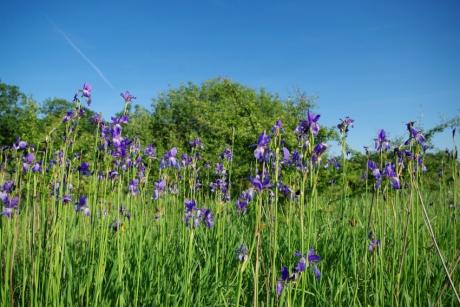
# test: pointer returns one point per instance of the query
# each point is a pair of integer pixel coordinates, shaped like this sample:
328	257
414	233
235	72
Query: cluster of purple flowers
305	260
10	203
19	144
194	216
28	163
388	172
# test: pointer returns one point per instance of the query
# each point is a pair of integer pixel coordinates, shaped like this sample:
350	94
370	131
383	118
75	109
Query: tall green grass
54	256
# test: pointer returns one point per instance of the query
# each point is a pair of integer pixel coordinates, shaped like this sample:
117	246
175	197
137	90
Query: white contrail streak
72	44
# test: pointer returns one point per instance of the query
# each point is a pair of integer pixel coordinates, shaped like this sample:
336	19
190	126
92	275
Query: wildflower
169	159
374	243
227	154
198	215
262	150
7	186
134	186
287	192
159	188
284	279
19	145
372	166
309	125
10	206
381	142
261	184
318	151
150	151
68	116
127	97
83	169
220	169
196	143
82	206
37	168
286	160
96	119
243	200
86	92
390	173
277	127
186	160
66	199
344	124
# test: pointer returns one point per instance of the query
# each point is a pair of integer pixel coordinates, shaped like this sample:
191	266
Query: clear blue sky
380	62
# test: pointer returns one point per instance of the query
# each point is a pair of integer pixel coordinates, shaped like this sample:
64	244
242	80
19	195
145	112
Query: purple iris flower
208	218
29	158
19	145
68	116
86	92
7	186
390	173
374	243
66	199
169	159
82	206
196	143
197	215
297	161
318	151
83	169
310	124
190	205
287	192
262	151
134	186
421	164
186	160
301	265
381	142
277	127
261	184
10	206
159	188
150	151
37	168
244	200
96	119
372	166
416	135
344	124
220	169
286	156
127	97
227	154
312	256
284	279
25	167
